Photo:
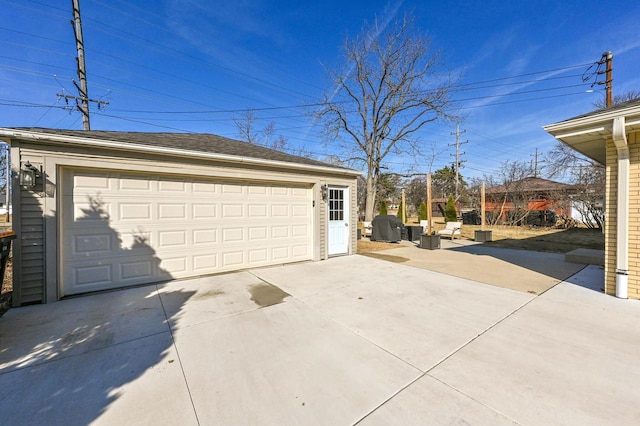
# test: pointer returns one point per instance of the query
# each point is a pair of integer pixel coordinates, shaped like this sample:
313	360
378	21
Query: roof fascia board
74	140
595	121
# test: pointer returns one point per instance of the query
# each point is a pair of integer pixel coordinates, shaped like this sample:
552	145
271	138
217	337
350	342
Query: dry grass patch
527	238
550	240
366	246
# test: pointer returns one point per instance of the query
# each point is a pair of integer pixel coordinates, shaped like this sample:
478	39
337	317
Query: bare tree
416	191
588	200
246	127
588	178
5	158
249	131
509	193
617	99
388	89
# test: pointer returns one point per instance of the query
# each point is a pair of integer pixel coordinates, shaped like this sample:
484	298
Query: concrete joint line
446	358
173	342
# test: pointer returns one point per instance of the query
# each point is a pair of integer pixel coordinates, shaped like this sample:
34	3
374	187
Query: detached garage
115	209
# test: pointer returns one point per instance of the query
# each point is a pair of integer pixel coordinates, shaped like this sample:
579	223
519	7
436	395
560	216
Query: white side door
338	221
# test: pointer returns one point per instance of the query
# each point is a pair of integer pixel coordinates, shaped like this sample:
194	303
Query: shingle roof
198	142
531	184
623	105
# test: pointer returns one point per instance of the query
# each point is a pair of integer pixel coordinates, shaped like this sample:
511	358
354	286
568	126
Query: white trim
44	137
622	208
599	120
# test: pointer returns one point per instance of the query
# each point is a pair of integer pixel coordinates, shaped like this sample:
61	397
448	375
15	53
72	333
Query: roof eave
115	145
588	134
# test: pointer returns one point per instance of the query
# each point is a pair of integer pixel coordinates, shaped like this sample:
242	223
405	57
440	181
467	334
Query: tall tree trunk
371	197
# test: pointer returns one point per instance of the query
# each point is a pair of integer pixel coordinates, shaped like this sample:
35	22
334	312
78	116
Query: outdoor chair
451	230
367	228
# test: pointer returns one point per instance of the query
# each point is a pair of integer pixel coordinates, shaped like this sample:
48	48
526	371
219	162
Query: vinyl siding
31	262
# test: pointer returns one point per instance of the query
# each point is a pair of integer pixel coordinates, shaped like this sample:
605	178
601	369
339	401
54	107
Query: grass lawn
518	237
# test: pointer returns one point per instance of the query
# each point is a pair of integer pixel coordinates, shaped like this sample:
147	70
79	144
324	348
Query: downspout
622	211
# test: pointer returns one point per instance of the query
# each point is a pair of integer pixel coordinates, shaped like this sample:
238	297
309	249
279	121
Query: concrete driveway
351	340
523	270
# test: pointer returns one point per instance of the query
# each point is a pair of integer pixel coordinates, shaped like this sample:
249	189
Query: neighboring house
611	137
116	209
530	200
586	212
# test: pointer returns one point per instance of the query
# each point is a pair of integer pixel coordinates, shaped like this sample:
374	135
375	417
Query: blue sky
196	65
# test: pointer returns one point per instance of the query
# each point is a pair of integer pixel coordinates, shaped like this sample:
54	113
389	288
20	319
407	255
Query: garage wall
29	247
36	249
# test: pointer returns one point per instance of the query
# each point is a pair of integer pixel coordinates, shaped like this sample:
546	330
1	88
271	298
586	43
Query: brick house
611	137
538	201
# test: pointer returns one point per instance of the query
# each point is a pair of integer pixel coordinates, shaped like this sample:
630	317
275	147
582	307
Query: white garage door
122	229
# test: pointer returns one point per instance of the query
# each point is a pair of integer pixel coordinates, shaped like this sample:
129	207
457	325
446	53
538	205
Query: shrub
422	211
399	214
450	212
383	207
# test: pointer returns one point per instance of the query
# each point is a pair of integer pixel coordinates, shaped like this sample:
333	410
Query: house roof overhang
589	133
7	134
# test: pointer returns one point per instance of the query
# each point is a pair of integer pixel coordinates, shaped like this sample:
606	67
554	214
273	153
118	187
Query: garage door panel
91	275
232	211
257	233
84	210
280	253
279	232
134	212
134	183
232	259
92	182
136	269
205	211
300	210
84	245
178	185
204	187
204	236
232	189
126	229
300	251
168	211
178	265
258	255
172	239
301	231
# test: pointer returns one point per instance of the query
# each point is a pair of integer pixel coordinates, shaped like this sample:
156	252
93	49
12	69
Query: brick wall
634	217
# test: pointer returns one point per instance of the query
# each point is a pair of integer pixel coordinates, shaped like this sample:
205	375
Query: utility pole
608	56
82	100
76	23
458	153
535	163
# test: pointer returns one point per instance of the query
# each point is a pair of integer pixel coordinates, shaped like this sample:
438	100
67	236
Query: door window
336	204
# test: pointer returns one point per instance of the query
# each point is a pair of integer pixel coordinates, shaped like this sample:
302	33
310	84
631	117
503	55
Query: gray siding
31	266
